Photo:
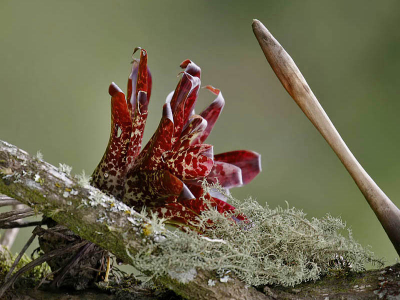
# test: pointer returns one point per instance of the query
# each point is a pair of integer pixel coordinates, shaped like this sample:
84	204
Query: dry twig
295	84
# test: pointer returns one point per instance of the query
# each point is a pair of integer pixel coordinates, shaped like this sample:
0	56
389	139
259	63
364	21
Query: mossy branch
99	219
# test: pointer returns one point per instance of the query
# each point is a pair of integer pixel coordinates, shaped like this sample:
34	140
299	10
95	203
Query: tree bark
373	284
98	218
115	227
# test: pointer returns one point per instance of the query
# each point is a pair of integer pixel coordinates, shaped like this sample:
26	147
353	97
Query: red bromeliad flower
166	174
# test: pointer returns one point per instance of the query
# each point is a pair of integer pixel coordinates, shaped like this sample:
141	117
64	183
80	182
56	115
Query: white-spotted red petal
227	175
211	114
248	161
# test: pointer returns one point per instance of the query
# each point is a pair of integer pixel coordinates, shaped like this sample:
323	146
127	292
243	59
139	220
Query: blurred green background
57	59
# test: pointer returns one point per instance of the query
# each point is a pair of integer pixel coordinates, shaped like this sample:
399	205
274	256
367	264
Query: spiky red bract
166	174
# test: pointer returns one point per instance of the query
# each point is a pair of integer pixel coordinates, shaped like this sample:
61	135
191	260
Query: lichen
83	179
38	156
64	168
275	246
183	277
224	279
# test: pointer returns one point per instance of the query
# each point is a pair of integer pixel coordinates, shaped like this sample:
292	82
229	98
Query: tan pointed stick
294	82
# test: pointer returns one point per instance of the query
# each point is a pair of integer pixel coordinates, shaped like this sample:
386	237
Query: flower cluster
166	175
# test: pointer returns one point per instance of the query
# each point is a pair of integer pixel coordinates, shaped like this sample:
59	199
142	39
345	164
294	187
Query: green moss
7	259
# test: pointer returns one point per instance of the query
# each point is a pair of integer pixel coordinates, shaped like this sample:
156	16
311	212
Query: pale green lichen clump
64	168
277	246
39	155
83	179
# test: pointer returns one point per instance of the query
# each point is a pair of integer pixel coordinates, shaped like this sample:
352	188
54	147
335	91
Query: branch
17	213
6	201
295	84
119	229
99	219
6	219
